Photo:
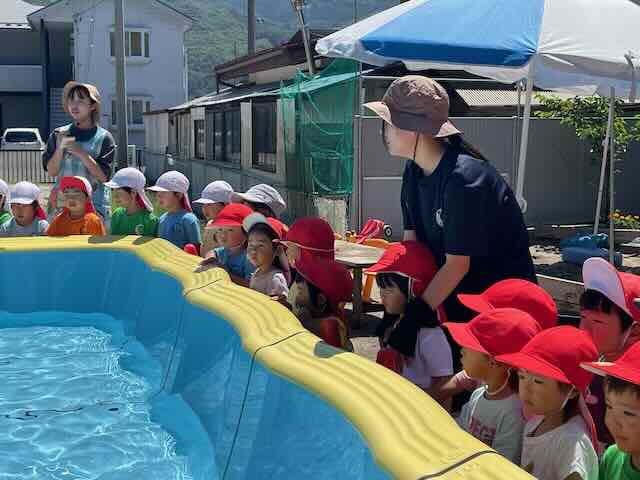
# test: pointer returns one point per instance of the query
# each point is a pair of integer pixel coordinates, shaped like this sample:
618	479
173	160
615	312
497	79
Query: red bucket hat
499	331
557	353
82	184
332	278
410	259
626	368
313	235
232	215
515	293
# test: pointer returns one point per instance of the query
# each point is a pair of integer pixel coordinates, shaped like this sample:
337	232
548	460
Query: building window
218	136
232	136
264	136
135	108
136	43
199	139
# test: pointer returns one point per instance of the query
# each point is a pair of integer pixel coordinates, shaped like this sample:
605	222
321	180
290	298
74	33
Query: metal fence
19	165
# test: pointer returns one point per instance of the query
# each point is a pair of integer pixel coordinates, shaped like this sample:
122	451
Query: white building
156	65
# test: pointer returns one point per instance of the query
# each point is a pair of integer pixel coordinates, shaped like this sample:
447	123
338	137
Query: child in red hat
403	273
272	273
79	216
232	255
494	412
559	440
309	236
322	287
609	315
509	293
622	389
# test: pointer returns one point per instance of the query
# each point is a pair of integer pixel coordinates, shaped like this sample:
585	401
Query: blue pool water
70	410
101	330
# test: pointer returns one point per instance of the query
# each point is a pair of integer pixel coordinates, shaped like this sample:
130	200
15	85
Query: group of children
533	395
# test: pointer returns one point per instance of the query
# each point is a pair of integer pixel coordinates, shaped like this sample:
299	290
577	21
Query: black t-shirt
466	208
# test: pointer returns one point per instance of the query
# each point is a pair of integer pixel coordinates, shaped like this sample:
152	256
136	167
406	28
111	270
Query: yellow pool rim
409	435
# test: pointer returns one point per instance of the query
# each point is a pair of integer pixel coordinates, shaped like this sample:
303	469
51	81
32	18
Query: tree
588	117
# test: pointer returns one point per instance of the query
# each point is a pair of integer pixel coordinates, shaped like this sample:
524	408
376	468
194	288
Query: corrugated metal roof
231	94
502	98
13	14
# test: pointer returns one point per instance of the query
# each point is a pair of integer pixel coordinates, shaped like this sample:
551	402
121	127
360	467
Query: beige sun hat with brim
94	95
418	104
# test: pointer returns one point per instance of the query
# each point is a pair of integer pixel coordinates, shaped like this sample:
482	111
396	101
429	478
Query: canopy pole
603	167
524	142
612	169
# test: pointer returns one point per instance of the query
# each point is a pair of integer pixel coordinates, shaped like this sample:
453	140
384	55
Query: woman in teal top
134	215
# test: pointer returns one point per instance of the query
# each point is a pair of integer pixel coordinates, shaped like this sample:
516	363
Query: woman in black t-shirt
452	199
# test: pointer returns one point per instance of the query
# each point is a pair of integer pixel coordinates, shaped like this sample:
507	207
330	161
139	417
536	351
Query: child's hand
77	150
282	300
207	263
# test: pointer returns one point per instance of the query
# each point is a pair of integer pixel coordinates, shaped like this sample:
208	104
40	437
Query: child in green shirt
135	213
5	213
622	393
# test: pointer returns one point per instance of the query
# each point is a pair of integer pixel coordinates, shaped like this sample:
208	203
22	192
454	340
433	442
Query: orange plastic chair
368	282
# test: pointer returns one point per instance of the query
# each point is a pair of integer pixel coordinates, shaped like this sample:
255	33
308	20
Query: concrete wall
20	111
561	176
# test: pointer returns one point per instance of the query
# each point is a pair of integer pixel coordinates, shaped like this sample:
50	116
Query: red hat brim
624	372
477	303
463	336
535	365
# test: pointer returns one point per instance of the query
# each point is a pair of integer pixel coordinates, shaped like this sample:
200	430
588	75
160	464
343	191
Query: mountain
219	30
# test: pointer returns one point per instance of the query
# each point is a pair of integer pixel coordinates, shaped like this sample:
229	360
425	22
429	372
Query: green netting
317	114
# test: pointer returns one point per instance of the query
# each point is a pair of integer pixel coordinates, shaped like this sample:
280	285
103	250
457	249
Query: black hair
594	300
262	208
314	293
81	92
417	308
268	232
465	147
127	189
390	280
617	385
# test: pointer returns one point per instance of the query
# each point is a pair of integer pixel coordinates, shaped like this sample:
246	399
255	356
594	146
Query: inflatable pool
120	362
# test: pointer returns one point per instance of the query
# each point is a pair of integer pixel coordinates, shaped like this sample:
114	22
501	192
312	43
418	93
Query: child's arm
435	390
458	383
243	282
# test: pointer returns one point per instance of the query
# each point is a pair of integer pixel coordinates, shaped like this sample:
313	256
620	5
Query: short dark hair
262	208
389	280
314	292
594	300
617	385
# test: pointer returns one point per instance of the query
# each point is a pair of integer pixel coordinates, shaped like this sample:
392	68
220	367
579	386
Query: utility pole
298	6
251	27
121	87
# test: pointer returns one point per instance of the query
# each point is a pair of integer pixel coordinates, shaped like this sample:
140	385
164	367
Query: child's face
24	214
75	201
80	109
260	250
475	363
123	198
542	395
230	237
211	210
623	419
169	201
393	299
605	329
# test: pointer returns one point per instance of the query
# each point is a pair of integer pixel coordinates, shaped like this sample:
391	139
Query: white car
21	139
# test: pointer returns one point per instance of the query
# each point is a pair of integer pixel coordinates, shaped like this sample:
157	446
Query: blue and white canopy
577	46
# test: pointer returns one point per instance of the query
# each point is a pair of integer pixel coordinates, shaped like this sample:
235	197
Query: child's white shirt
557	454
432	358
498	423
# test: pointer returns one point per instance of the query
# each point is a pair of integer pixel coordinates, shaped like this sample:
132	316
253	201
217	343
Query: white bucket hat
601	276
174	181
216	192
25	193
134	179
262	193
4	191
